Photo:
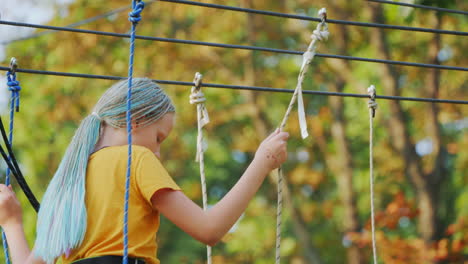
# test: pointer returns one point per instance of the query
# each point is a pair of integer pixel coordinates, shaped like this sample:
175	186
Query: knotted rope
319	34
372	107
134	17
198	98
14	88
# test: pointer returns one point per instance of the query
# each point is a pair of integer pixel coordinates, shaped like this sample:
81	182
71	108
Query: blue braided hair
62	218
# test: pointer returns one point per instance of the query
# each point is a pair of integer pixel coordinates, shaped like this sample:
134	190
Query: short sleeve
151	176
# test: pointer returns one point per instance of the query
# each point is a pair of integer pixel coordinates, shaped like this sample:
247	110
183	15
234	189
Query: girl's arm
11	220
210	226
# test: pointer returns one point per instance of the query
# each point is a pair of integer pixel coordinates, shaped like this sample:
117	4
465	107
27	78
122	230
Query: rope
419	6
197	97
14	88
15	170
372	107
240	87
331	21
134	18
319	34
230	46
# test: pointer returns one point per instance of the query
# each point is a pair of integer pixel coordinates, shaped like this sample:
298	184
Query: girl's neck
110	136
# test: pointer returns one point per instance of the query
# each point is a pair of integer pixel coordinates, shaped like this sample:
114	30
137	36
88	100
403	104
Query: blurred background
421	157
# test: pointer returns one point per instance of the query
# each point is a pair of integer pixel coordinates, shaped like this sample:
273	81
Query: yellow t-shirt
105	189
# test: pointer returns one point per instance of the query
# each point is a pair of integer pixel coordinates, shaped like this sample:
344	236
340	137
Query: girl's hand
10	208
272	151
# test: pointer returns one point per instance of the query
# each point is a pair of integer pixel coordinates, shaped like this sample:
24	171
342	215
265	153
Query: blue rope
14	87
134	17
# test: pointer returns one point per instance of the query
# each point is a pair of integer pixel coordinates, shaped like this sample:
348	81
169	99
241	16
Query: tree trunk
343	167
400	138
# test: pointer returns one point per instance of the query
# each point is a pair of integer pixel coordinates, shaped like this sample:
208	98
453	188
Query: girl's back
105	187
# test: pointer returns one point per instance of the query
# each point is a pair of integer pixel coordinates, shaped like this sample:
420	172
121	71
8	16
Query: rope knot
372	104
14	86
197	97
321	32
135	15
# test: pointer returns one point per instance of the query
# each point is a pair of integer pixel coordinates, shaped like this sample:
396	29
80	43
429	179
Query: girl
88	228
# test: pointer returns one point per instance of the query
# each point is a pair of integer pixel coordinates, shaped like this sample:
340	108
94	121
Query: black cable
418	6
331	21
239	87
219	45
77	24
15	170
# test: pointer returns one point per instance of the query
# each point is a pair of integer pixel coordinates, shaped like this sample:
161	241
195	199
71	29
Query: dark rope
331	21
211	44
440	9
15	170
239	87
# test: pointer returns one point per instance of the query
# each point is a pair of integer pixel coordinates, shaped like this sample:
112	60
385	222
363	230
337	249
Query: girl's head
149	103
152	112
61	224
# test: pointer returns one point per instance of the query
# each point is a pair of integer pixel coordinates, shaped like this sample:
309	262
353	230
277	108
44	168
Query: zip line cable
220	45
76	24
240	87
331	21
440	9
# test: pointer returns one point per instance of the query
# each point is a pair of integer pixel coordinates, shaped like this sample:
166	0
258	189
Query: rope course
418	6
241	87
198	98
372	107
331	21
231	46
321	33
134	18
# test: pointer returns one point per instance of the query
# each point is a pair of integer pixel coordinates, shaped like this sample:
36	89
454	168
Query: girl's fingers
281	136
272	134
4	188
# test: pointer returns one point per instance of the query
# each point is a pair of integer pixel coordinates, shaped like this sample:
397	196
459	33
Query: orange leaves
399	212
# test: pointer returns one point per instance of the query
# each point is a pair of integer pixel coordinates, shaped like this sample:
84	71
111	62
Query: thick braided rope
372	107
14	87
319	34
197	97
134	17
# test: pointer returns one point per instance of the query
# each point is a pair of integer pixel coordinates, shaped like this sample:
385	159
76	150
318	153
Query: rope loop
321	32
197	97
372	104
135	15
13	85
